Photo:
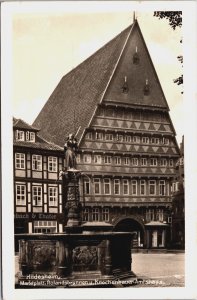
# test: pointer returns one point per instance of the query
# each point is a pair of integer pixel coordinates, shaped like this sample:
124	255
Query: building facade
178	203
115	105
37	187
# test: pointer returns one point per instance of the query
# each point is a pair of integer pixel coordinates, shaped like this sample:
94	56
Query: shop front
156	233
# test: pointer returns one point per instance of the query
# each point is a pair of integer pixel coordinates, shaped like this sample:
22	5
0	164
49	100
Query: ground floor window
138	240
86	215
95	214
45	226
160	238
157	238
105	214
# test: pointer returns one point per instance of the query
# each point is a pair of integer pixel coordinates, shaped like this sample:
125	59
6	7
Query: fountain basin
71	257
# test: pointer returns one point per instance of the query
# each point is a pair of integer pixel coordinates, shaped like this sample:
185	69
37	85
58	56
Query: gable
138	76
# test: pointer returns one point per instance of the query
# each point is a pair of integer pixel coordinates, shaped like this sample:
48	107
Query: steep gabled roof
139	76
20	124
40	142
73	103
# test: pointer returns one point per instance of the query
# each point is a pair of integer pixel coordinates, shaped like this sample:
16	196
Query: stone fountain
80	256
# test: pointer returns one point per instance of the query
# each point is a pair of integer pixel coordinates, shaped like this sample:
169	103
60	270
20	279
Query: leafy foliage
174	17
175	20
179	80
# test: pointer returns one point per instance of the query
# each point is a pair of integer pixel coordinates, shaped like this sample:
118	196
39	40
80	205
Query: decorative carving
42	255
73	193
85	258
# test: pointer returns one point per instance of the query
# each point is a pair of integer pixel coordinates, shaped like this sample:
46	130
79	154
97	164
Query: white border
190	120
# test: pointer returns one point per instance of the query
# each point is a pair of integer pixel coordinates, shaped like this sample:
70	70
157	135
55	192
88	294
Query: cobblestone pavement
159	269
155	269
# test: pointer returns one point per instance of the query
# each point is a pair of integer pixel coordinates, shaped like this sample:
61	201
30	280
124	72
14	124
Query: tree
175	20
174	17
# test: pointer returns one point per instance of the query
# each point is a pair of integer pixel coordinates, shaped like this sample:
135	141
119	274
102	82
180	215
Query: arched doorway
132	224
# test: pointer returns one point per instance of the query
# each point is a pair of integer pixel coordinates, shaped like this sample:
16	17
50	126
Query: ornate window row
124	160
127	138
20	162
131	115
127	187
96	214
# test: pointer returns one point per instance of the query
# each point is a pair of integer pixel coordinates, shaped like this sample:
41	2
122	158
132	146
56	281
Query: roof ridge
25	123
118	60
16	122
153	66
113	71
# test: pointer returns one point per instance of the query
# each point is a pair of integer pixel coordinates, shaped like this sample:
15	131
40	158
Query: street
165	267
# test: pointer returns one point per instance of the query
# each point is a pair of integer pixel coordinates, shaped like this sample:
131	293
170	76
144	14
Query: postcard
98	149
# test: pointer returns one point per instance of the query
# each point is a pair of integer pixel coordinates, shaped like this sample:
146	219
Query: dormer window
32	137
136	58
146	88
125	87
19	135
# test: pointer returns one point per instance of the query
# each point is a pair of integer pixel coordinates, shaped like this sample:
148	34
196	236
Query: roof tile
20	124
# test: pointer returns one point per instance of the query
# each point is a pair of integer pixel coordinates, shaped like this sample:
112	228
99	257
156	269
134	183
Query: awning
156	223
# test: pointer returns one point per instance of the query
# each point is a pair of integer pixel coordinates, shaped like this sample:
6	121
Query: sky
50	39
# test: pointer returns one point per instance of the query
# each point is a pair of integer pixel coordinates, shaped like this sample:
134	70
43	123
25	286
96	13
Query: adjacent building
178	203
37	187
114	104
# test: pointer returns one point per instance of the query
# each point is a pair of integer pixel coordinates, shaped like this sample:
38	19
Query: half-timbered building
37	186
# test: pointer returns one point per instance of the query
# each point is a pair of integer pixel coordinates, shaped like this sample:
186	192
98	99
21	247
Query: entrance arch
131	224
